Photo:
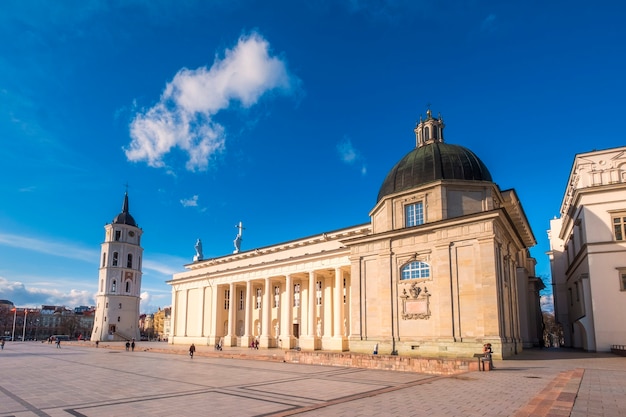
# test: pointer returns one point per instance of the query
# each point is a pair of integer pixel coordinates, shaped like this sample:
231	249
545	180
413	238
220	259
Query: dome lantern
433	160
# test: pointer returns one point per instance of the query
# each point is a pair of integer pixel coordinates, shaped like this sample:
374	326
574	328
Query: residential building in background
442	267
588	252
40	323
119	282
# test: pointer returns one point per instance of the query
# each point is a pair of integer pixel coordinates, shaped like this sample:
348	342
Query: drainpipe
393	334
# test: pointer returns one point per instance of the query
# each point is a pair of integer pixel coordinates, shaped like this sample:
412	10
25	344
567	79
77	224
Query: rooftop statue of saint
198	247
237	240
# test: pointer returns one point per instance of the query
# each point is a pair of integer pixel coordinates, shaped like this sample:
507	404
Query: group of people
254	344
130	345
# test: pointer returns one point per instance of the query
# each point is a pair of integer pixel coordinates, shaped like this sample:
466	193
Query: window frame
415	266
414	214
618	224
621	274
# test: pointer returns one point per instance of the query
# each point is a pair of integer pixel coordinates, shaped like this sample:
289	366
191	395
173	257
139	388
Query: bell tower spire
119	283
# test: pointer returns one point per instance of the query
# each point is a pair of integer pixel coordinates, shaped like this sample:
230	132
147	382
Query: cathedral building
442	267
119	282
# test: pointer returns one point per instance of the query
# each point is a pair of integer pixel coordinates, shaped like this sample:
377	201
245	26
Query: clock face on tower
131	233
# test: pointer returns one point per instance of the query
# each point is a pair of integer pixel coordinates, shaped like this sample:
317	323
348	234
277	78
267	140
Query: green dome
433	162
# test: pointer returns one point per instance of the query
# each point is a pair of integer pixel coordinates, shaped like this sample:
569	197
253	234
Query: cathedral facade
442	267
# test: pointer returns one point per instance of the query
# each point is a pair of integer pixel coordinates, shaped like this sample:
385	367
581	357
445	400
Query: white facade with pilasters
269	295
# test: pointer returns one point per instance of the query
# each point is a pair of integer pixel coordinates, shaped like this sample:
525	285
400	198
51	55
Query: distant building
588	252
161	323
119	283
442	267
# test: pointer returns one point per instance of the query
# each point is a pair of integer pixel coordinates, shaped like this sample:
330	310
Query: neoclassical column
248	312
286	308
232	308
186	310
266	313
173	316
311	306
202	309
337	304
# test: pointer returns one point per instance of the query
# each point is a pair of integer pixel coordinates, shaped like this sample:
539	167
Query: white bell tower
119	282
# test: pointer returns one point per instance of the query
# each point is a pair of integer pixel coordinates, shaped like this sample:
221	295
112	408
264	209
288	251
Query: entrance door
296	330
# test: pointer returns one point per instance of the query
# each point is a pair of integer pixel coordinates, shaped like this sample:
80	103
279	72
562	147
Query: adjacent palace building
442	268
588	252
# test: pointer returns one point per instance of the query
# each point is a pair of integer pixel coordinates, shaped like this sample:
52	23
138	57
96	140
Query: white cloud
23	296
349	155
49	247
183	118
547	303
190	202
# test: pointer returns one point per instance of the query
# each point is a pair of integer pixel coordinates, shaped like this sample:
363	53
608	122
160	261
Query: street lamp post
24	327
14	317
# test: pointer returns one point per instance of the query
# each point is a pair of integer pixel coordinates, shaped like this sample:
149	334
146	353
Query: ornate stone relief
415	302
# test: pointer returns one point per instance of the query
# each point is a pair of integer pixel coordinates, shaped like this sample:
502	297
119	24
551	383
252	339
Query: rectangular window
259	295
226	299
241	300
296	295
344	290
619	226
276	296
414	214
318	293
622	281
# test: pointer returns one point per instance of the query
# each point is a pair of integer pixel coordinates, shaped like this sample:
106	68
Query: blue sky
285	115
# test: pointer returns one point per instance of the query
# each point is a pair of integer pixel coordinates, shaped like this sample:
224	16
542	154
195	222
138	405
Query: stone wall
437	366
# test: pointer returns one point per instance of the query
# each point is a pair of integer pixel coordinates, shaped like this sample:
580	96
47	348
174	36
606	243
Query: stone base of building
440	348
437	366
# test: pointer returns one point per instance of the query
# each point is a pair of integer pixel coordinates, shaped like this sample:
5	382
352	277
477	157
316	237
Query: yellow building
442	268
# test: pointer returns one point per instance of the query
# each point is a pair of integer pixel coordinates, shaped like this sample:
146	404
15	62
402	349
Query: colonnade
308	309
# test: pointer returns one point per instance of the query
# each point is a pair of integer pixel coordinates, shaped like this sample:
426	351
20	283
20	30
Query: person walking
127	345
192	350
132	345
2	343
58	343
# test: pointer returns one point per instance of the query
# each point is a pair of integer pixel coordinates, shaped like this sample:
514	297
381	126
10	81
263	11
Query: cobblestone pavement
157	379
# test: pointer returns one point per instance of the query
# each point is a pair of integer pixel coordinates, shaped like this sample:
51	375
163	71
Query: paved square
78	380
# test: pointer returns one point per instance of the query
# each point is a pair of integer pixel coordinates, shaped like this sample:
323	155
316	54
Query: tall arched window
129	261
115	255
415	270
127	286
114	286
104	259
426	133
